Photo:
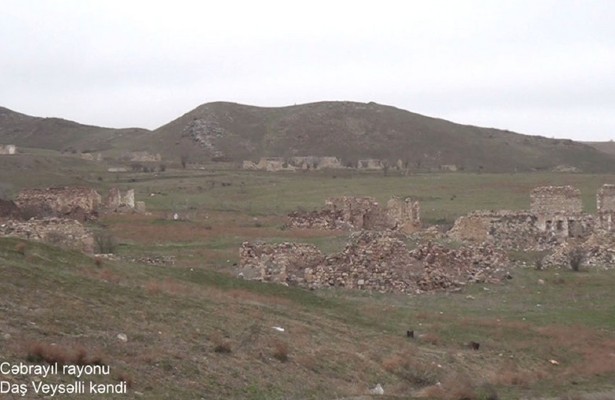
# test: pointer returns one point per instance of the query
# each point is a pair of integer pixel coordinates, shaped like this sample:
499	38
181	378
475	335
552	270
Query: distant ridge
347	130
352	131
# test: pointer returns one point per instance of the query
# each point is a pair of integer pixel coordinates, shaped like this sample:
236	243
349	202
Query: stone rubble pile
597	252
373	260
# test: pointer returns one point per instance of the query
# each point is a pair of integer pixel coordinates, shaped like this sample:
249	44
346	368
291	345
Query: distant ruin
91	156
273	164
8	149
141	156
356	213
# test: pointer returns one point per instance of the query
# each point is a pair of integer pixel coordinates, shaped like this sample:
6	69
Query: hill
60	134
347	130
605	147
353	131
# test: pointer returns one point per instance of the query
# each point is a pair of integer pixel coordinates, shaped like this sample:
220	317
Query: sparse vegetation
105	242
280	350
21	248
575	258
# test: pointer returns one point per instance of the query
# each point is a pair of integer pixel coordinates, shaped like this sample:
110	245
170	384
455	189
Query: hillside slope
353	131
60	134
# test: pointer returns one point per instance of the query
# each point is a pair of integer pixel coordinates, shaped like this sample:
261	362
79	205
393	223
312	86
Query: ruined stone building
7	149
356	213
558	210
555	215
273	164
79	203
370	164
141	156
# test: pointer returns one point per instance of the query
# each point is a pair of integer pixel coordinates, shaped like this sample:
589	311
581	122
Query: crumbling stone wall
8	149
91	156
356	213
405	214
315	163
118	202
79	203
370	164
374	260
61	232
556	199
605	198
281	263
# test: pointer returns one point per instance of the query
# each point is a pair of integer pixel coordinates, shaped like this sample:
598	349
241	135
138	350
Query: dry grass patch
408	366
167	286
280	350
37	352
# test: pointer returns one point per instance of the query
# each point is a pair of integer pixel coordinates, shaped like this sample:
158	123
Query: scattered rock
377	390
122	337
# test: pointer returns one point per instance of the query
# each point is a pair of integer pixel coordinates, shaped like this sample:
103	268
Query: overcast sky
535	67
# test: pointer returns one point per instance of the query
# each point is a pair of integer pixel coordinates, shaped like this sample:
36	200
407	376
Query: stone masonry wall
556	199
62	232
8	149
356	213
81	203
605	198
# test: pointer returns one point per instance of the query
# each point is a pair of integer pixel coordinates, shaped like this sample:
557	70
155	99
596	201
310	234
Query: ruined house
405	213
62	232
271	164
370	164
315	163
80	203
91	156
8	149
558	209
356	213
555	217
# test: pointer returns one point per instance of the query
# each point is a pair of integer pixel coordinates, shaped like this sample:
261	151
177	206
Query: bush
105	242
575	258
280	351
21	248
221	345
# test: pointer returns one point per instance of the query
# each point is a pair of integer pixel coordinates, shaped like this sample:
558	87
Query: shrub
221	345
280	350
21	248
105	242
575	258
37	352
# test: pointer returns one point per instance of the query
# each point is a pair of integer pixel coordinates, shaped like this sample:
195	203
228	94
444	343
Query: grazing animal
474	345
410	334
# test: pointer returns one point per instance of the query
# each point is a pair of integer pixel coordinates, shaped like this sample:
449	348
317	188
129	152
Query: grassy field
195	331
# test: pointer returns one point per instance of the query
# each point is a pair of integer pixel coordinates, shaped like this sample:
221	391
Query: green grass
341	342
